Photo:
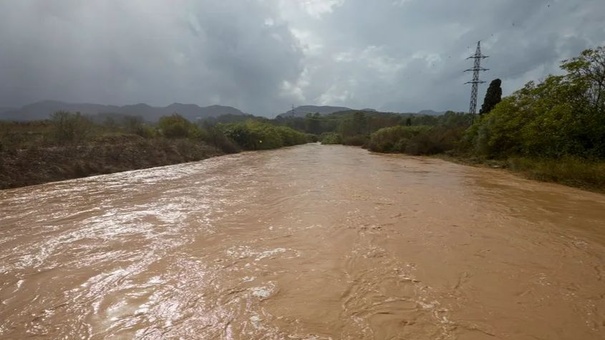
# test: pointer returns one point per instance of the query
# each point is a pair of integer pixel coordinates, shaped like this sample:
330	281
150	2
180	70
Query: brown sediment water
309	242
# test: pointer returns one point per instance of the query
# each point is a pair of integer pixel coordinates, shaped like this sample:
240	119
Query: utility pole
475	82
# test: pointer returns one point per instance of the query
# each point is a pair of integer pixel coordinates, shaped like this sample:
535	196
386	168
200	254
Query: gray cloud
264	55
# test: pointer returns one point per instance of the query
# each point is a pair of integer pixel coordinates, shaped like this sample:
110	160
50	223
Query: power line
475	82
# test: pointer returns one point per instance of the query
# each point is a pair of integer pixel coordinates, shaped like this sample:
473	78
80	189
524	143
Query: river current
309	242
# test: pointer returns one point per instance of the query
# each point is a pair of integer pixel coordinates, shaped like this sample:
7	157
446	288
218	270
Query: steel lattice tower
475	82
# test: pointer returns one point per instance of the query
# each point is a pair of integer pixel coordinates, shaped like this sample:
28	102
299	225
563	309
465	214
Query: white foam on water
270	253
264	292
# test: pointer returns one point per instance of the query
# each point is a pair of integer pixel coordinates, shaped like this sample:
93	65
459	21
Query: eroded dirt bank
37	165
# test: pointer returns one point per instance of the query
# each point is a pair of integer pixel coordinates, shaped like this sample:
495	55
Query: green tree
176	126
213	135
492	97
588	71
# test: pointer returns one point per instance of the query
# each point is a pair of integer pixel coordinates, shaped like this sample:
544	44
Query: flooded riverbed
310	242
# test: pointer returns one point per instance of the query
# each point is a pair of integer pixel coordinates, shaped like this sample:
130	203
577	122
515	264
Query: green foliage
355	127
257	135
588	72
395	138
213	135
145	131
176	126
415	140
70	127
331	138
136	125
290	136
348	123
356	140
561	116
451	119
425	120
311	138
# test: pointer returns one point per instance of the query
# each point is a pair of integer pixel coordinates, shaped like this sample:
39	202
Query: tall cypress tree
492	97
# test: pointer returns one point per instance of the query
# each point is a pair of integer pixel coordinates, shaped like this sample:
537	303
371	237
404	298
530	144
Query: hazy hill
302	111
6	108
43	110
430	112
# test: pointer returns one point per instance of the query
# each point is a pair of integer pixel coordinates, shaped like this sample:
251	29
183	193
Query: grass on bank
570	171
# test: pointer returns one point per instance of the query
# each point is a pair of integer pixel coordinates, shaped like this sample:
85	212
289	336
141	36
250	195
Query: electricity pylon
475	82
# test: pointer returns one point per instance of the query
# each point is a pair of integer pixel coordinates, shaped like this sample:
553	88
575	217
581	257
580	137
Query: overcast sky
262	56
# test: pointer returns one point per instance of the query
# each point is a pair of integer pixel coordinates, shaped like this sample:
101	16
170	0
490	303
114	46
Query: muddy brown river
311	242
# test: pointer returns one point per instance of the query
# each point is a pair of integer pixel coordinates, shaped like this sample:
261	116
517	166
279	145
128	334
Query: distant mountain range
430	112
302	111
43	110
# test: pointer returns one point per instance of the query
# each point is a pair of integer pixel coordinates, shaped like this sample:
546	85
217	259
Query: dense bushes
232	137
213	135
292	137
256	135
356	140
331	138
393	139
410	134
415	140
176	126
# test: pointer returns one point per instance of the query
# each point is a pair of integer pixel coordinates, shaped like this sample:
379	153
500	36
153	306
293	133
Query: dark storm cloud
425	44
263	55
158	52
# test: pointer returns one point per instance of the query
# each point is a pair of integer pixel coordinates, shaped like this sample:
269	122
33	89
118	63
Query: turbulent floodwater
311	242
